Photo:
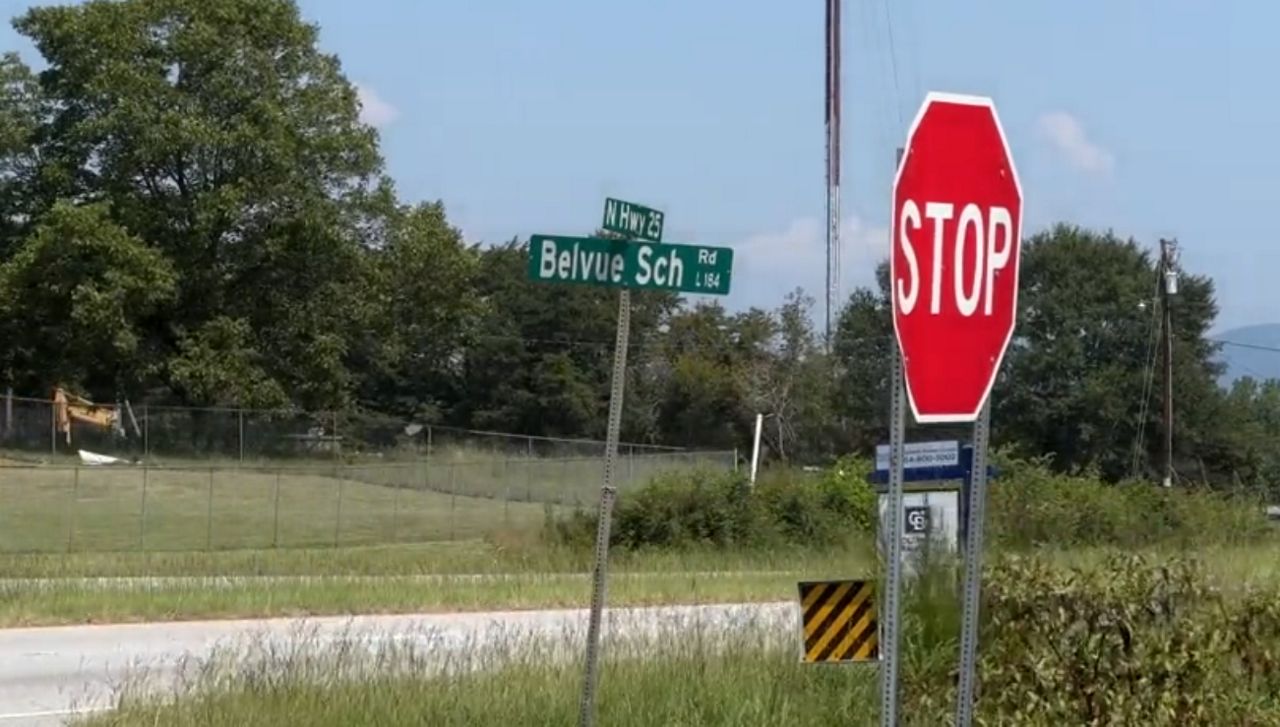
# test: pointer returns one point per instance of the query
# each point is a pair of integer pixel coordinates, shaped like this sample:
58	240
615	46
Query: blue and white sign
920	455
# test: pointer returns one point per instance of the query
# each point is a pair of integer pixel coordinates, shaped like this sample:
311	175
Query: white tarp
90	458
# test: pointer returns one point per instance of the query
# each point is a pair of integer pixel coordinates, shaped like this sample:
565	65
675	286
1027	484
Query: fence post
275	524
337	520
337	442
72	508
241	413
453	500
146	432
506	491
142	516
209	516
53	429
564	481
395	508
631	464
528	473
428	441
8	412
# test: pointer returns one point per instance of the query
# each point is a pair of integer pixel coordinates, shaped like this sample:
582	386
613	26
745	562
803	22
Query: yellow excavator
68	407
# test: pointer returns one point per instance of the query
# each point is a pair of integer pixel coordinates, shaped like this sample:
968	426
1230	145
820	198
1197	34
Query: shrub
1128	642
1027	506
695	508
829	508
1030	506
719	509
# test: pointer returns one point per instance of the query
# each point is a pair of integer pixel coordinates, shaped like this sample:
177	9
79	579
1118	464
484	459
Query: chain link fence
169	435
169	478
126	507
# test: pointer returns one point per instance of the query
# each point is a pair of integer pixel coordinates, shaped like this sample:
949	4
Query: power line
1241	344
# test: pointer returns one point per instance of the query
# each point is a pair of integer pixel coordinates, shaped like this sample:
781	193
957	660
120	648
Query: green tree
541	359
22	111
703	399
1079	380
225	140
75	300
863	348
789	379
425	310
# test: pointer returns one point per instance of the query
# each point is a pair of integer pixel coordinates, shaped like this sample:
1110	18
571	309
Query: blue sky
1151	119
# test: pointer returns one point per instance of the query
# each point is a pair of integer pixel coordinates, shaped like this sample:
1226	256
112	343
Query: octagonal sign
957	232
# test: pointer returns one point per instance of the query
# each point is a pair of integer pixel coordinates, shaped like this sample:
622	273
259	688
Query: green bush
1130	642
832	507
1028	506
1031	506
719	509
694	508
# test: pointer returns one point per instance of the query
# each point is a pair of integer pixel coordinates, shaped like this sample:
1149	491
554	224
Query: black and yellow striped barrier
839	621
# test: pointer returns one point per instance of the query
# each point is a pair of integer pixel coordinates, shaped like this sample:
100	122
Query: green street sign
630	264
632	221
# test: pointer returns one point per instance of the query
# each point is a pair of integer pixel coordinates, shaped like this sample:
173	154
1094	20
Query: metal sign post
586	714
957	202
634	257
973	570
893	567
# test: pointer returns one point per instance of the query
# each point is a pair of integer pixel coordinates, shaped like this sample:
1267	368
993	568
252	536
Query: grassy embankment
679	541
57	507
1125	642
1188	633
218	541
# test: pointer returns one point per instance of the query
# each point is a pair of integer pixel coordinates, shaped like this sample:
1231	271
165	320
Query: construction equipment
68	407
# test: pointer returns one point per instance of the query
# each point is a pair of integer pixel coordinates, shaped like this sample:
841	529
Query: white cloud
767	265
1065	133
374	111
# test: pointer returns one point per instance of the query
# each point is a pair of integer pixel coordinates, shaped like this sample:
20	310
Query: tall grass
746	674
1126	641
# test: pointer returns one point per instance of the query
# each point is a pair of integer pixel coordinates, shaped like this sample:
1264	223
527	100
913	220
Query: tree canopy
191	211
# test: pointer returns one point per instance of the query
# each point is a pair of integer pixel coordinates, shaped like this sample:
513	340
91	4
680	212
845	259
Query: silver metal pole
755	449
973	570
893	538
586	715
241	413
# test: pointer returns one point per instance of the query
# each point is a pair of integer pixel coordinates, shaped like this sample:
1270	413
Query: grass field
122	587
456	496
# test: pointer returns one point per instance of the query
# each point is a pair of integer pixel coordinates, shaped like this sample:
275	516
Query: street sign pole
624	219
957	206
893	567
586	715
973	569
630	256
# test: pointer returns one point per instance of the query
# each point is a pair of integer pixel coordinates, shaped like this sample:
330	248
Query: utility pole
1168	259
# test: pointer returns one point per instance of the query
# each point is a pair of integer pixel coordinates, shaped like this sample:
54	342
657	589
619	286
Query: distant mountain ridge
1242	360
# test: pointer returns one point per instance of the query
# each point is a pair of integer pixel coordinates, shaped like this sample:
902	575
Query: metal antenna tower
833	167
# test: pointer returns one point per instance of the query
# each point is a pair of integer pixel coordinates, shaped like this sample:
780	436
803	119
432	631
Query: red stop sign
957	231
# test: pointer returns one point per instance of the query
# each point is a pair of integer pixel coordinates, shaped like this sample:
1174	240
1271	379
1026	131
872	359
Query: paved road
48	674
